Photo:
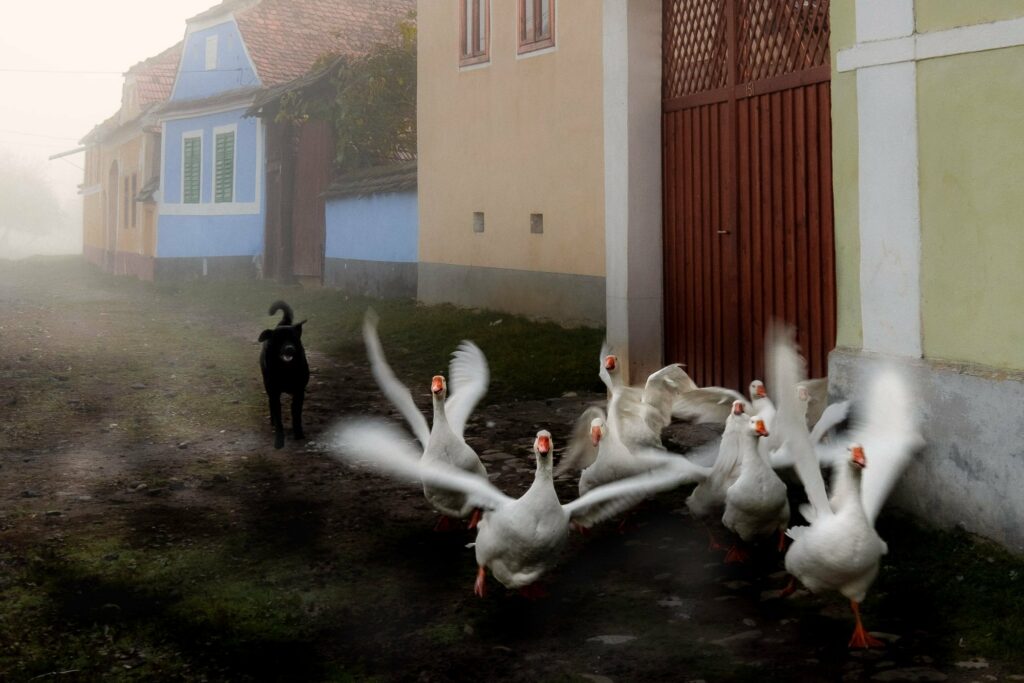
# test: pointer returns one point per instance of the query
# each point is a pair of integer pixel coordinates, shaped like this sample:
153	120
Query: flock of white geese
623	461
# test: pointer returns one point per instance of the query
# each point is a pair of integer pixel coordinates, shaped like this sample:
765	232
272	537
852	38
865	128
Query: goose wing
383	448
706	405
890	438
393	389
785	371
664	386
469	377
581	452
606	501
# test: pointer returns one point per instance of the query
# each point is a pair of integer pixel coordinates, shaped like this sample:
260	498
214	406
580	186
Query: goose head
438	387
757	426
544	449
598	429
757	390
857	459
611	364
737	408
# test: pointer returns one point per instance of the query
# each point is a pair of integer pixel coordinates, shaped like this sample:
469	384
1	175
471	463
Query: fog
61	70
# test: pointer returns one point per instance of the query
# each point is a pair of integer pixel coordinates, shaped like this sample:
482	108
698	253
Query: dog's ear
298	327
265	335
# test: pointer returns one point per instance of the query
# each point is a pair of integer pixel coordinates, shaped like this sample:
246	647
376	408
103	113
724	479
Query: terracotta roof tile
286	37
154	77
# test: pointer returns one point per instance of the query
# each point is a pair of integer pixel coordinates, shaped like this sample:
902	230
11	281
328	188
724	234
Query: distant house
354	230
122	172
212	212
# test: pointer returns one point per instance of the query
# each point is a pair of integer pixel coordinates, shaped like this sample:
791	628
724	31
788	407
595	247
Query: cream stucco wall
513	137
127	157
972	207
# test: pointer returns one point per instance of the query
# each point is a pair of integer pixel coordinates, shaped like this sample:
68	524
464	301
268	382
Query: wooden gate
313	163
747	183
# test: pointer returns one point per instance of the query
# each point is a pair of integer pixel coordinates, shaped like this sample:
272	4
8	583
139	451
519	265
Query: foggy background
61	70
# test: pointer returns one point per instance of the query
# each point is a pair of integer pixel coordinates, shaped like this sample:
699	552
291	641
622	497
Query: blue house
212	197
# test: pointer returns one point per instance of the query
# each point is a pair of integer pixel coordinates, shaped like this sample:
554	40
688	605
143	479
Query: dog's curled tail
282	306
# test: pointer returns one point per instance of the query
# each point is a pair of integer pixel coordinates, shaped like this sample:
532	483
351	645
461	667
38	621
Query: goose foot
860	637
444	523
474	519
789	589
713	543
534	591
737	555
480	587
782	540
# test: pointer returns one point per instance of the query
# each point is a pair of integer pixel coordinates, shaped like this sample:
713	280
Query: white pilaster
632	159
890	213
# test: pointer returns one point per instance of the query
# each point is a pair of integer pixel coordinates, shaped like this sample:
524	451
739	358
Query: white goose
709	496
518	539
443	442
840	550
756	504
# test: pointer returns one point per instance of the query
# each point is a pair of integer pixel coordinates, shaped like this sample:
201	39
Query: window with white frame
536	25
211	53
191	168
224	166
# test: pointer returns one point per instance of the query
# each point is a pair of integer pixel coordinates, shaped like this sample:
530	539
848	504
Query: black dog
285	370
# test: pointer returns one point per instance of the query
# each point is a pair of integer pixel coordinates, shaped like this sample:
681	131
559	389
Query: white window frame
229	128
185	136
211	52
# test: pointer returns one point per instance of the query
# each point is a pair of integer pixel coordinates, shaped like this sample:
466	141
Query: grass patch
967	589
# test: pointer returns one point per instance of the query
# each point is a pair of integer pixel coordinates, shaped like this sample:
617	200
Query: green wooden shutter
224	183
192	167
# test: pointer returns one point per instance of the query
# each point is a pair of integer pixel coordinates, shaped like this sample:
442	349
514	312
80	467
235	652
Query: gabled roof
154	77
286	37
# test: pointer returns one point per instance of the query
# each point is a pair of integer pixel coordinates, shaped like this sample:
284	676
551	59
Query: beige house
511	157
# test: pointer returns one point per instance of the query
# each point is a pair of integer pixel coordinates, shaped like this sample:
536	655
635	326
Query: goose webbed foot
789	589
782	540
737	555
713	543
480	587
444	523
474	519
861	638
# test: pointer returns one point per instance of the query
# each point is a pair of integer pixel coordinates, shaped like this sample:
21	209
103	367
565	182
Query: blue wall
246	176
208	228
233	235
233	71
378	228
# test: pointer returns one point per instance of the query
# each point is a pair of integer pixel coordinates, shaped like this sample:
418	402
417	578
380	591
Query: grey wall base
971	473
210	268
563	298
381	279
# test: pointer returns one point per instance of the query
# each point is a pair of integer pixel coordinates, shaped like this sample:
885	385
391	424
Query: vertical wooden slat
789	200
713	267
800	220
814	227
827	245
744	243
700	231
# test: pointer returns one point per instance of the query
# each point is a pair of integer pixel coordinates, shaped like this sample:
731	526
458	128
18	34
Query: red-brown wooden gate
747	183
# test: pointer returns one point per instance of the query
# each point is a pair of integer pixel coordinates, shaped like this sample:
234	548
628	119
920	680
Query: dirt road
149	531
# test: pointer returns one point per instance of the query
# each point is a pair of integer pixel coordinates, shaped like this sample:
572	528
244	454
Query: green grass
967	589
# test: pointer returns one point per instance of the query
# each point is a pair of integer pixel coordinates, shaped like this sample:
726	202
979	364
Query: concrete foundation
383	279
564	298
210	268
971	474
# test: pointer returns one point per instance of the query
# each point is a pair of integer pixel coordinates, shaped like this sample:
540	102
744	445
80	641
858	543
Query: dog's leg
275	418
297	399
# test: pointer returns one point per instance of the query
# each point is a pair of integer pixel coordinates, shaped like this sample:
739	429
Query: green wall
936	15
971	138
844	180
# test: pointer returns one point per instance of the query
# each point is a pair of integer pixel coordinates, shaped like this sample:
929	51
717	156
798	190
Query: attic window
211	53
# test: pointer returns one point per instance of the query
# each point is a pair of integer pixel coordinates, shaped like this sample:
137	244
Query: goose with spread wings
840	549
443	442
518	539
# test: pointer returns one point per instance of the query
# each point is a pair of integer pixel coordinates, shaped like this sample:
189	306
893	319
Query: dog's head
283	342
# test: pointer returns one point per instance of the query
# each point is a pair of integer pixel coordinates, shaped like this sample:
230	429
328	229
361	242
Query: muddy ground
149	531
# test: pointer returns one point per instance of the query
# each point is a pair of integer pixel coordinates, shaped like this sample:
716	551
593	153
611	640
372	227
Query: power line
35	135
